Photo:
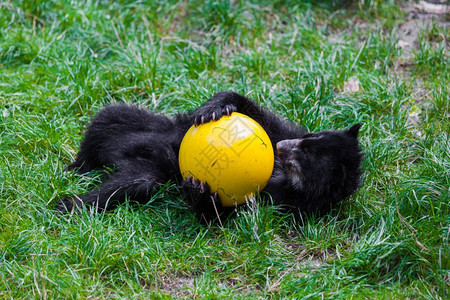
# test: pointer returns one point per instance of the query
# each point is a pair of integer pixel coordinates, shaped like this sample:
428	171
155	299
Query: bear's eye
308	135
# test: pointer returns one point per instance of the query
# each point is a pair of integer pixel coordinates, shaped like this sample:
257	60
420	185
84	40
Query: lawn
323	64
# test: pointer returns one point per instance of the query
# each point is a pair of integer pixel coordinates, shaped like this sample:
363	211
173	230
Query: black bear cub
311	172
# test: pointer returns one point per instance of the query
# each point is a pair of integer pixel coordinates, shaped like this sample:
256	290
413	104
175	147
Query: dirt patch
421	16
179	286
184	287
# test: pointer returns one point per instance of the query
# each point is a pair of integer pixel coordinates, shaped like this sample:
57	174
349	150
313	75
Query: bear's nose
286	146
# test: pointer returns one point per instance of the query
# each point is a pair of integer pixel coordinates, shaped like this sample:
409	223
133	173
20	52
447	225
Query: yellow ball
233	155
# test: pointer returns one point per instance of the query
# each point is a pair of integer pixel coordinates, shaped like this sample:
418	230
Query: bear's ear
353	131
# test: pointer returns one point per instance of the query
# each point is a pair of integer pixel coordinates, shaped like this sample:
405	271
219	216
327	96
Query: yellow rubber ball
233	155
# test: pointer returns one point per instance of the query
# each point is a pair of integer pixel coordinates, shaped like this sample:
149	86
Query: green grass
61	61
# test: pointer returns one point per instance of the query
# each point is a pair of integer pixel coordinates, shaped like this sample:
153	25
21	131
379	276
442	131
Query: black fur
311	172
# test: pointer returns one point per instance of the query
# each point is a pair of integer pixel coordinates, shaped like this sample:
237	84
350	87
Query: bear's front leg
206	206
225	103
